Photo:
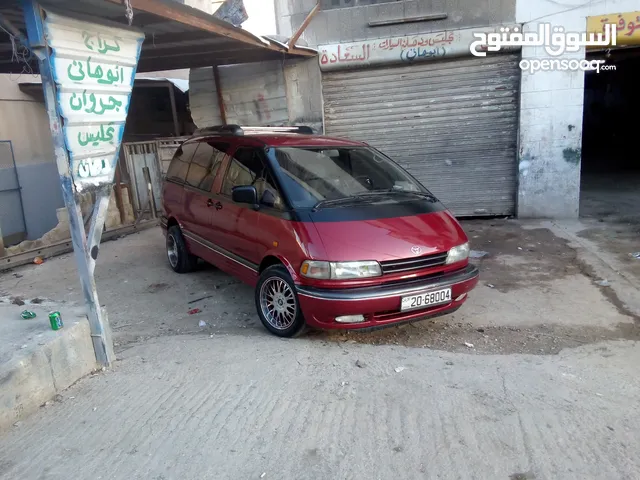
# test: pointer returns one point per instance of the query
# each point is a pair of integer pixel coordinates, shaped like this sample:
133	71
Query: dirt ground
535	296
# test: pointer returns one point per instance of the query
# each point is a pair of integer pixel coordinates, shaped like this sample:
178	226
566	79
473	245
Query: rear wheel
179	257
277	303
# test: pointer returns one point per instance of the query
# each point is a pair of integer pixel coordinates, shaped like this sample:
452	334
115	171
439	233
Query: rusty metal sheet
94	68
453	124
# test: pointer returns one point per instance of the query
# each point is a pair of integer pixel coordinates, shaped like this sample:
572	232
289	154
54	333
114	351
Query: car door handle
209	203
218	206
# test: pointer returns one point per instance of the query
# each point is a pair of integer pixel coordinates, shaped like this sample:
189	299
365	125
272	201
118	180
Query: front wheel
277	303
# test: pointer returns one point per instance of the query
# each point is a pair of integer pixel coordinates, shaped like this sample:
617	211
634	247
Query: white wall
551	111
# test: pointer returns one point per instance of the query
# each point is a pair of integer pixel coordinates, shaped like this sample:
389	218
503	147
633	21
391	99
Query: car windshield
340	175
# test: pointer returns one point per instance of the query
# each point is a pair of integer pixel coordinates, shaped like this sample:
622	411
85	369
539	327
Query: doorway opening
610	176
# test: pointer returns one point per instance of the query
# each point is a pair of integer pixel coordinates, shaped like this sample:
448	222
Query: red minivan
330	232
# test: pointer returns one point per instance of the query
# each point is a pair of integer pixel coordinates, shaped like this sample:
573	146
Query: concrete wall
262	93
23	121
304	99
551	113
351	23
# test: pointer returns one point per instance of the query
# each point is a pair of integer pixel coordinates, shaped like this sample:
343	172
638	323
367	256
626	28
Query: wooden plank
223	111
292	41
24	258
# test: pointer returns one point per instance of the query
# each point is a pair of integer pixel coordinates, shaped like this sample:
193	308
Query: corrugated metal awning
177	36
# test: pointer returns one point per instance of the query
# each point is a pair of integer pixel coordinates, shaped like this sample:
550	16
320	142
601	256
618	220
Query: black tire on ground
179	257
277	303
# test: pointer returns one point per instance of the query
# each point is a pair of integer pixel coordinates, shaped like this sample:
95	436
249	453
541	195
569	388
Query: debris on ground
28	315
38	261
360	364
604	283
344	384
198	299
449	363
469	345
635	255
194	311
202	323
490	285
477	254
17	301
399	369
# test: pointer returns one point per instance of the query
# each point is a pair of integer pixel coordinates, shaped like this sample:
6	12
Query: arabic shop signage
94	68
408	49
627	26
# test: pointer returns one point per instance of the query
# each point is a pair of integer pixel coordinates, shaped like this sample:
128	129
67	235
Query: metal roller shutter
453	124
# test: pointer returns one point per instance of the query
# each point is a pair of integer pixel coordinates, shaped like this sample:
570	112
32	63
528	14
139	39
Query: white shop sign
93	67
407	49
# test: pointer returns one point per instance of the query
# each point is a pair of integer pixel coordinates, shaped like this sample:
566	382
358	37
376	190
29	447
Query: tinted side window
247	167
205	164
180	164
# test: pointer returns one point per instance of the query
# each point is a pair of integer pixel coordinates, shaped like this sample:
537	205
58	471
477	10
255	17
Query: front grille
416	263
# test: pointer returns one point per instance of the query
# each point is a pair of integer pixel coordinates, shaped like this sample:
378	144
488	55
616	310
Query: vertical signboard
93	68
87	72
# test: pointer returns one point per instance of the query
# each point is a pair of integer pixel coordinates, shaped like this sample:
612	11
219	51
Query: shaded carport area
177	36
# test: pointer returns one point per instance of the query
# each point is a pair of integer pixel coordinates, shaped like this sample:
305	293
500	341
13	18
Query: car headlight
340	270
458	254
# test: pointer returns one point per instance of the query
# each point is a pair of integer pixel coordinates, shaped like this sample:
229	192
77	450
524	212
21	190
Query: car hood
390	238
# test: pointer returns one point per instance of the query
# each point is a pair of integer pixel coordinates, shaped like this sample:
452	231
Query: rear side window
179	166
205	164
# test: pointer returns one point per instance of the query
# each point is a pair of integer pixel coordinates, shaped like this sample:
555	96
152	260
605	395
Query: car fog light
350	319
461	297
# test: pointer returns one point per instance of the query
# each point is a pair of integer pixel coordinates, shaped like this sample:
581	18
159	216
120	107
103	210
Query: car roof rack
239	131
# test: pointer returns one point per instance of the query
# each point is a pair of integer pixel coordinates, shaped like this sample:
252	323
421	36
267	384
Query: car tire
180	260
277	303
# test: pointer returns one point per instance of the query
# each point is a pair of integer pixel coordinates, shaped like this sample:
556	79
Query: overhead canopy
177	36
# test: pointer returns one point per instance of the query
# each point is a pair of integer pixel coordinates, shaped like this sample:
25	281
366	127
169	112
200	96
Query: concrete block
36	363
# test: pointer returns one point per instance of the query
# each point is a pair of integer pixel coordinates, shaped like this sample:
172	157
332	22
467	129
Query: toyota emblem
416	250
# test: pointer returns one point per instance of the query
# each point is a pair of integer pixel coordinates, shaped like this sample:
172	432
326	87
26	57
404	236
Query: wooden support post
216	78
292	41
118	191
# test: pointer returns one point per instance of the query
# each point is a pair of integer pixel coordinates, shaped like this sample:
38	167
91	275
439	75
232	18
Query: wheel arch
274	259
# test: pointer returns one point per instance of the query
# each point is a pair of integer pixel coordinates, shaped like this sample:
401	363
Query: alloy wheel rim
278	303
172	251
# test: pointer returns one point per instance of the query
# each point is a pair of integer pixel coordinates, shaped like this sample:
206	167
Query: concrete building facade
401	77
549	161
552	111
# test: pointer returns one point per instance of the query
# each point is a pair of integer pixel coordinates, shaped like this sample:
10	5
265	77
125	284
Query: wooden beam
216	78
292	41
194	18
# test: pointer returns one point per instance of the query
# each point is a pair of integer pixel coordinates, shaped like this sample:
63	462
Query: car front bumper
380	305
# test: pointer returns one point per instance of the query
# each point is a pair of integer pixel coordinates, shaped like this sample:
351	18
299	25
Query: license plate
425	300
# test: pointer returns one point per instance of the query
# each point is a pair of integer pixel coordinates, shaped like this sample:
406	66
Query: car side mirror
245	194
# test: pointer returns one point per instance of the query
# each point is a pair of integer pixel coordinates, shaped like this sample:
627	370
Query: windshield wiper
425	195
337	201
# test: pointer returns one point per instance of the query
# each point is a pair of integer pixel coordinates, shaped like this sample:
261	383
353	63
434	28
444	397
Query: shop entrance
610	177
